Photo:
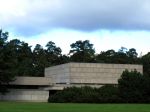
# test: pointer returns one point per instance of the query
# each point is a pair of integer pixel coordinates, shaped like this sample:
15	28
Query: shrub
130	86
86	94
108	94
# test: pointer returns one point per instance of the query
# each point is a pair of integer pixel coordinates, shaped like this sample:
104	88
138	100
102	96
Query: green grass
64	107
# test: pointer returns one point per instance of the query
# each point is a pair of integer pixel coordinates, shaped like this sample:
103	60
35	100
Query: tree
5	64
106	57
145	60
108	94
25	59
130	86
43	58
40	60
82	51
123	56
132	56
21	57
123	50
3	37
132	53
146	88
53	53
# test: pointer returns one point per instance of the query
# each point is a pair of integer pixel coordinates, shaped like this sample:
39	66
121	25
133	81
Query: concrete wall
42	81
26	95
92	73
58	74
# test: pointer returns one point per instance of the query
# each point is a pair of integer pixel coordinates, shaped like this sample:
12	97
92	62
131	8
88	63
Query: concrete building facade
58	77
88	73
27	95
28	89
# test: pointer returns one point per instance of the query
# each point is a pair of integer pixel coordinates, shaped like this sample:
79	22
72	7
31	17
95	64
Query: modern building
58	77
28	89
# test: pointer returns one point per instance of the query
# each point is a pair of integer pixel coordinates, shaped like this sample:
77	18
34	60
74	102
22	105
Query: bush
131	88
108	94
86	94
74	95
66	95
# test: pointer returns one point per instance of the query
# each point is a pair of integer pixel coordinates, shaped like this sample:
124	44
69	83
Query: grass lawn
64	107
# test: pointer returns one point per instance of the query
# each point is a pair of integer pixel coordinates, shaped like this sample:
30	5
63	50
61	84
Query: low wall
31	95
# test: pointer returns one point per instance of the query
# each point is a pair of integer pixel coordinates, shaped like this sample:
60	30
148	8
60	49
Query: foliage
133	87
123	56
108	94
21	56
39	60
72	94
6	66
86	94
43	58
145	60
82	51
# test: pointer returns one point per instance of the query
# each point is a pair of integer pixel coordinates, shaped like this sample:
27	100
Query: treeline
133	87
17	57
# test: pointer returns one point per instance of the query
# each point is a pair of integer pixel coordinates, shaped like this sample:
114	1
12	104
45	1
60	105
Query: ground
64	107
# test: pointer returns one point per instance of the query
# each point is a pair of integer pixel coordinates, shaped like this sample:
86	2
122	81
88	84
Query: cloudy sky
108	24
